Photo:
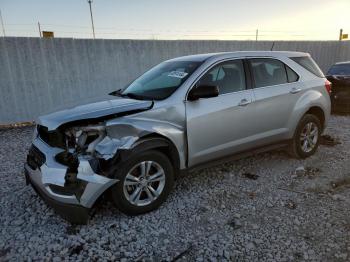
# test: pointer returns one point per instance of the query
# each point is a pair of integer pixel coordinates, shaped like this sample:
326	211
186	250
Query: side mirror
203	91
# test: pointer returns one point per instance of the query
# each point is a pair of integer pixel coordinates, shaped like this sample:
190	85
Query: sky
179	19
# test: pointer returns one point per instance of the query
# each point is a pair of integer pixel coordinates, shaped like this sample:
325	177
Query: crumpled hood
92	111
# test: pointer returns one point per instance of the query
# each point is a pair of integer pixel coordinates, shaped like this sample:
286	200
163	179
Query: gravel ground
263	208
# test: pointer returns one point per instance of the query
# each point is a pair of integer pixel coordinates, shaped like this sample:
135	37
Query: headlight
85	138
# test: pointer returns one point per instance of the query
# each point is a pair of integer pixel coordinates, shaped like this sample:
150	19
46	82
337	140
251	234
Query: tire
297	148
130	171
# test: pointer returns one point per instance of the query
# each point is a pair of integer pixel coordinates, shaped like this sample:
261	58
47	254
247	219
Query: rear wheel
307	137
146	180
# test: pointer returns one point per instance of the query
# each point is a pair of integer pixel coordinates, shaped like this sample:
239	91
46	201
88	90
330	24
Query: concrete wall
37	75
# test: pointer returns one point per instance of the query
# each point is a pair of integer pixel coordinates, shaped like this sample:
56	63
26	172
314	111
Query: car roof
343	63
203	57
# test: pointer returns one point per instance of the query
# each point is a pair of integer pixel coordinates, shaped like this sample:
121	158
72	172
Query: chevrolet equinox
179	115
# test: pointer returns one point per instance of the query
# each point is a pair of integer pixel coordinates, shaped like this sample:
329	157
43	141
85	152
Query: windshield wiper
119	92
115	93
136	96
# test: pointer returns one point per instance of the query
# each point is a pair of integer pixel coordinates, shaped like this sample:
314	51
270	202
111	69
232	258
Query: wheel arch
319	113
311	102
155	141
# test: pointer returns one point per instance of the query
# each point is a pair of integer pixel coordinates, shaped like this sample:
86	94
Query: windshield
340	70
161	81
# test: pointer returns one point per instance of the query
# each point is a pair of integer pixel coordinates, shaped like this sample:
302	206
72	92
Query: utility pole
39	30
341	34
92	20
256	35
2	24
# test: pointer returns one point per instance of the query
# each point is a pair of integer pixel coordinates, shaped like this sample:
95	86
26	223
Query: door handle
244	102
295	90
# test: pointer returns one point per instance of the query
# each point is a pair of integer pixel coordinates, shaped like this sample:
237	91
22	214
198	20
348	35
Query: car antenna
273	44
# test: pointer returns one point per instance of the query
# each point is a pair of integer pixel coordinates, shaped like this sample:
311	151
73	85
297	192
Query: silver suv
182	114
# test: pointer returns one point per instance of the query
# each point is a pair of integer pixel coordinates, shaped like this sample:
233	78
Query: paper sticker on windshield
177	74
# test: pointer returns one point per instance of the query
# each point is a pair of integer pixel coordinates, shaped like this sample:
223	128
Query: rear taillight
328	86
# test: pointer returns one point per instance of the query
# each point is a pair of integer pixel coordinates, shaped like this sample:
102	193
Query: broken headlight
84	139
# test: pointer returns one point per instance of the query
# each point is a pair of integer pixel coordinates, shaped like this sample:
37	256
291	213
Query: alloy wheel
144	183
309	137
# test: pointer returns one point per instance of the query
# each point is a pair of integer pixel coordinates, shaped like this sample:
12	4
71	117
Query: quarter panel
315	96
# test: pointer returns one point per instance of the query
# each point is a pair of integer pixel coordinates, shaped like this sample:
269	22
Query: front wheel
146	180
306	138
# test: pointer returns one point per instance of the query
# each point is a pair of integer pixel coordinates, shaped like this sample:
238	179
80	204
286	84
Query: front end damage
68	162
73	160
67	171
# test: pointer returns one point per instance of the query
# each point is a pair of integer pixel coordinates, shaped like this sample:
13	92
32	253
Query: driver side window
228	76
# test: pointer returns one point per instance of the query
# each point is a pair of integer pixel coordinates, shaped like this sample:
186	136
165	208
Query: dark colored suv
339	76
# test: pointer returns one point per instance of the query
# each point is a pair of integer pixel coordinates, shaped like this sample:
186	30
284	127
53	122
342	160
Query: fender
125	134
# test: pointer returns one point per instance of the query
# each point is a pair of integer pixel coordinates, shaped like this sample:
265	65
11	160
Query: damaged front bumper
50	179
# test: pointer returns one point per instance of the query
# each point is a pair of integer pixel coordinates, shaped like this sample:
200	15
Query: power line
164	30
65	30
161	31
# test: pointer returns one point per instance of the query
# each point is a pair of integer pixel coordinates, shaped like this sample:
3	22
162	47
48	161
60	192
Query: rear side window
309	64
292	76
268	72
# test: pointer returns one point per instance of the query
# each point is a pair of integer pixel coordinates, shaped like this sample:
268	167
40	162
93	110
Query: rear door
276	90
222	125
